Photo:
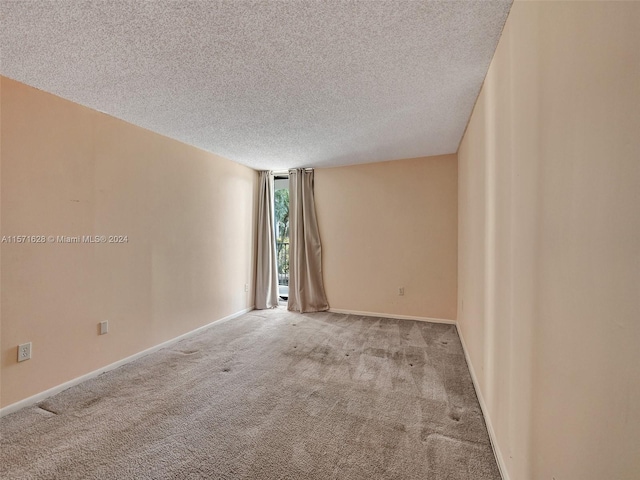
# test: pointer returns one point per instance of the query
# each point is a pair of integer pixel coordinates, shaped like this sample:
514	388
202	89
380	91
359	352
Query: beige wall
549	238
387	225
69	170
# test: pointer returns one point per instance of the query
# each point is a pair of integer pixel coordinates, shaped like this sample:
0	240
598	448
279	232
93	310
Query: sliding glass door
281	198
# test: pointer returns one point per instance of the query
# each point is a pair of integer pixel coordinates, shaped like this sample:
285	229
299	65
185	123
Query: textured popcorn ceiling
268	84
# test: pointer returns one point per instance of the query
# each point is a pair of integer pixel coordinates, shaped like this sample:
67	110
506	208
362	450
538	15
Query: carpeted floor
269	395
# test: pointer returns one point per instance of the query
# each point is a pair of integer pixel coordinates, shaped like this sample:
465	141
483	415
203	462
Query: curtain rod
286	172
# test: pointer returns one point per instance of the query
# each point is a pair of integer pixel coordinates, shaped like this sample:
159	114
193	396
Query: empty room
299	239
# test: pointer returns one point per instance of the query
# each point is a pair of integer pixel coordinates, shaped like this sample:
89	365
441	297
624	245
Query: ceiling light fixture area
271	85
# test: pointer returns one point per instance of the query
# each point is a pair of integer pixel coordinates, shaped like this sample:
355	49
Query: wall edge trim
497	453
26	402
392	315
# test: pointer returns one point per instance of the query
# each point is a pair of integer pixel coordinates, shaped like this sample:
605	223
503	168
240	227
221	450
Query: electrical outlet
104	327
24	352
401	291
246	287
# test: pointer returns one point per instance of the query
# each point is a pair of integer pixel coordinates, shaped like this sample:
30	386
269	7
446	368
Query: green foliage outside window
281	198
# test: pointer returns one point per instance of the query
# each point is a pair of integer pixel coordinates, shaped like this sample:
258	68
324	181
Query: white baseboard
390	315
38	397
485	412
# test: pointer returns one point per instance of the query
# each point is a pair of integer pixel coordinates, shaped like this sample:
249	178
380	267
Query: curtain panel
267	267
306	288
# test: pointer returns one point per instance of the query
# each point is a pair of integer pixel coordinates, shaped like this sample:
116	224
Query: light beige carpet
269	395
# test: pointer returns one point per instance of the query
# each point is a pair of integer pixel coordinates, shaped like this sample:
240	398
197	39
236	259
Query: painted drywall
188	218
389	225
549	241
